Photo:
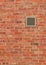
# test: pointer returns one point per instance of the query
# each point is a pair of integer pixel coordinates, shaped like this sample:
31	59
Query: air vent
31	21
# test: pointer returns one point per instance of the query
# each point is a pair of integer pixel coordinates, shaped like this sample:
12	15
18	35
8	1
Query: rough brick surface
19	44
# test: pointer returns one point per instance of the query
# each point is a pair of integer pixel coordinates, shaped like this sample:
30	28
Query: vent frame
34	21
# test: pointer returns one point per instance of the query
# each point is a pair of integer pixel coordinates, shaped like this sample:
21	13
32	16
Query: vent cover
31	21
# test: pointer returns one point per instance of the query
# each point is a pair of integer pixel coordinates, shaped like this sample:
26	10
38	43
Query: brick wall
20	44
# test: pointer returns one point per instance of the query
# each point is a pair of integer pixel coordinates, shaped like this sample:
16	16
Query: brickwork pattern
19	44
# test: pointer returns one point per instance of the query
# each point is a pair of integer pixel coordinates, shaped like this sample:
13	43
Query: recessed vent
31	21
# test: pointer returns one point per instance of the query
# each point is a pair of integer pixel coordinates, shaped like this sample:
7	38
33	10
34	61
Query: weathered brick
20	44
